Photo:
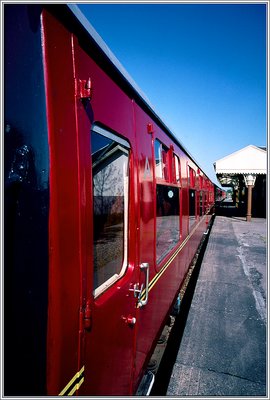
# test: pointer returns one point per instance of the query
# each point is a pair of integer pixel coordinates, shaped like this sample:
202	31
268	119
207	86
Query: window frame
164	167
171	177
167	185
108	134
176	168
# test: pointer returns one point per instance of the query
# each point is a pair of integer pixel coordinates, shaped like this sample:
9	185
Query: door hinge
87	316
83	88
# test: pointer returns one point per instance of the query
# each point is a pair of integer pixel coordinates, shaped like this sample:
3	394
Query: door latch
137	292
142	293
87	316
84	88
143	299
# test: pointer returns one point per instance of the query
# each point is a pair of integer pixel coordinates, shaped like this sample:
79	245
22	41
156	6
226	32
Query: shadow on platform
228	209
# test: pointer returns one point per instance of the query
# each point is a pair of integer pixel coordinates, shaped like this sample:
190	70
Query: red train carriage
104	210
220	194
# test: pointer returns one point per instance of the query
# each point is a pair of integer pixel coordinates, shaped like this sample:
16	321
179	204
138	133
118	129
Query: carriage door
109	309
110	332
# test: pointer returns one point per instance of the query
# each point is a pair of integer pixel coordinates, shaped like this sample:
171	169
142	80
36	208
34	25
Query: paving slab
223	348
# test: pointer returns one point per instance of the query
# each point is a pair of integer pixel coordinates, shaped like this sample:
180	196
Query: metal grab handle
145	267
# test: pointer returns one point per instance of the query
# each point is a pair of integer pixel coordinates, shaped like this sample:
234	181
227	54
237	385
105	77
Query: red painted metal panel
151	317
64	220
109	343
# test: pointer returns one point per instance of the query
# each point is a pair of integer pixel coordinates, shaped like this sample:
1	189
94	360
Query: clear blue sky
202	66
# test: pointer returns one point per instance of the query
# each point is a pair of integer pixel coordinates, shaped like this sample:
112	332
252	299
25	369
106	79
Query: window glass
110	157
176	169
161	160
158	159
168	221
201	203
192	207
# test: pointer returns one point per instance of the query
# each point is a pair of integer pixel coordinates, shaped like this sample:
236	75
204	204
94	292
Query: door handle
143	300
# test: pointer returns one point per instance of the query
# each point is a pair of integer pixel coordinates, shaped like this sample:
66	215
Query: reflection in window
161	152
192	207
110	209
201	203
176	169
167	225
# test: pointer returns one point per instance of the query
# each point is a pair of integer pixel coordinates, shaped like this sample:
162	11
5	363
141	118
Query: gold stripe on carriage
73	384
169	261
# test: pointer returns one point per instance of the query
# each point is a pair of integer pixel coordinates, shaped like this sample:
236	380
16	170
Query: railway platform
223	344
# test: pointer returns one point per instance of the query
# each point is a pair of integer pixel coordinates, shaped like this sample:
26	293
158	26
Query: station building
245	172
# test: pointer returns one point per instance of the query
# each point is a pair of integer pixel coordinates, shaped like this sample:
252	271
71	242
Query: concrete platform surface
223	348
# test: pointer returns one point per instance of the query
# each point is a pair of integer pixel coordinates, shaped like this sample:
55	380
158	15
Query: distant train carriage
220	194
104	211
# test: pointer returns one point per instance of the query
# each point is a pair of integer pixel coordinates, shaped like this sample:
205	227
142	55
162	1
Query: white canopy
249	160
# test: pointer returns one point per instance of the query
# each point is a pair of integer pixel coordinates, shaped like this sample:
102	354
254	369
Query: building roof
249	160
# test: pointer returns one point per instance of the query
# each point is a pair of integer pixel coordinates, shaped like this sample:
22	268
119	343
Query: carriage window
192	207
110	156
161	159
168	221
176	169
201	203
